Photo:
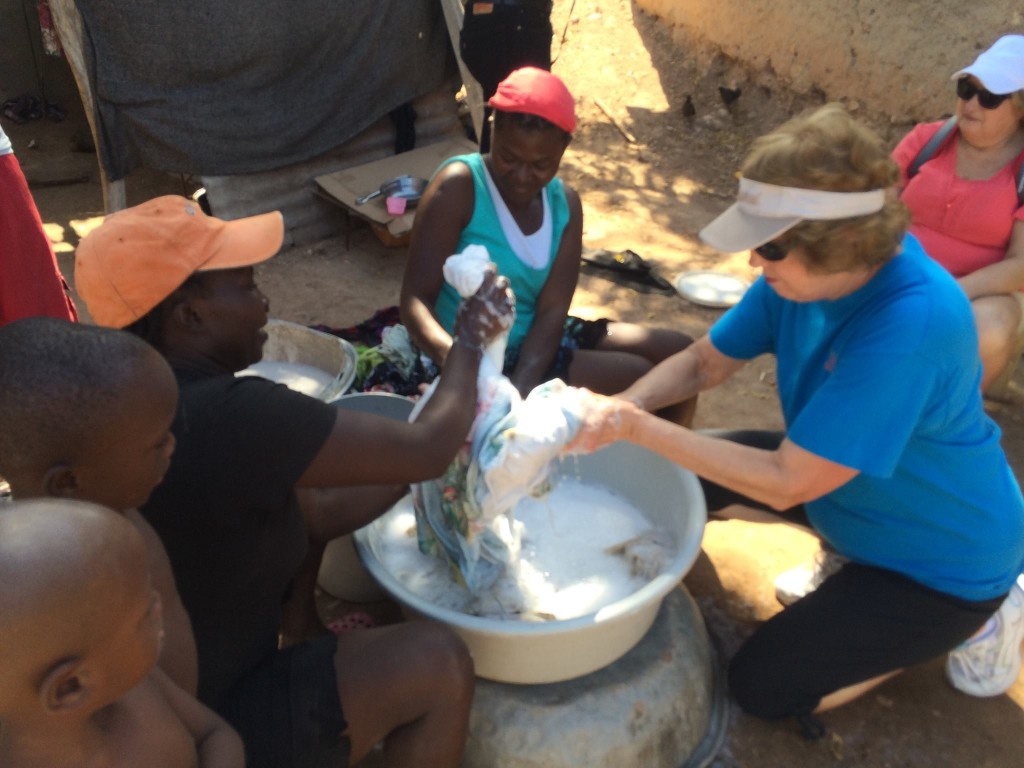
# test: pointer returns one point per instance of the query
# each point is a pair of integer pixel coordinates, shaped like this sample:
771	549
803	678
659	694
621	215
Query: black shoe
630	269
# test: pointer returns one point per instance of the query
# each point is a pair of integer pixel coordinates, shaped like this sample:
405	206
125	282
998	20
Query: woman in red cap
511	202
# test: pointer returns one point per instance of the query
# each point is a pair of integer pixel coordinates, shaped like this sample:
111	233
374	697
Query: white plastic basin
545	652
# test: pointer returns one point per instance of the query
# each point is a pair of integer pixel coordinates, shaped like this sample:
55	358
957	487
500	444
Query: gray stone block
658	706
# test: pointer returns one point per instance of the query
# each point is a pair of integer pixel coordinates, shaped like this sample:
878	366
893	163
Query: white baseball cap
762	212
1001	68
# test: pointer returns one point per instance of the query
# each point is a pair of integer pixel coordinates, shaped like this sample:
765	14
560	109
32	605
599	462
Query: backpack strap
931	147
1020	185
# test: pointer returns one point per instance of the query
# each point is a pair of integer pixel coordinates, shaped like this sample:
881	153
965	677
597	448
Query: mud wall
891	57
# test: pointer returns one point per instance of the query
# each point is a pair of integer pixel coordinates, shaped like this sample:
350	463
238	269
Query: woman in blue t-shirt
511	202
887	447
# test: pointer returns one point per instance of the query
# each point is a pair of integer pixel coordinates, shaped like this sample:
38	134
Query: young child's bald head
53	549
63	388
74	603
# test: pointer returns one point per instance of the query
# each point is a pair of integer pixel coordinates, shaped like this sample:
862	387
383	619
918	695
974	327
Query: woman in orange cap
512	202
227	510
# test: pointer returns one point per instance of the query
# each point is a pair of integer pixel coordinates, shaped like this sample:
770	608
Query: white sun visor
762	212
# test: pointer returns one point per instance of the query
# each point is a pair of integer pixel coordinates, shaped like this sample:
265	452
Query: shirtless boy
86	413
80	633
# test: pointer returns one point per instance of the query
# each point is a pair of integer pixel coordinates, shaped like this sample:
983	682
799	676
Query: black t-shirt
227	514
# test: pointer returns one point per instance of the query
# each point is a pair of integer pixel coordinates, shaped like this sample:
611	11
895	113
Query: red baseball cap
536	91
139	256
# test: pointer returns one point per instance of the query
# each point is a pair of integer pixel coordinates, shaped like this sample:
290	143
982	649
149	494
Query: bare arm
334	512
541	342
444	211
217	745
781	478
365	449
698	367
1005	276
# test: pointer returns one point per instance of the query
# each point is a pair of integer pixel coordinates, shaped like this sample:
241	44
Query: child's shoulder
143	728
139	728
156	553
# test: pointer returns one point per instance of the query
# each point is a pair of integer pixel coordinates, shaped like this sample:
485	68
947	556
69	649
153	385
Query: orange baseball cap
536	91
139	256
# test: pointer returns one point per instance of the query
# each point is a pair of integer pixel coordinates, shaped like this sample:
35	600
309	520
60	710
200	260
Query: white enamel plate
711	289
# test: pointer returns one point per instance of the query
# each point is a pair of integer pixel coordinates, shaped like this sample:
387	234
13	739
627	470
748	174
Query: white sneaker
989	663
798	582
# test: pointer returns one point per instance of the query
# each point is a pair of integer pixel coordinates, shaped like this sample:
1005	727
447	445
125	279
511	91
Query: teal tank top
485	229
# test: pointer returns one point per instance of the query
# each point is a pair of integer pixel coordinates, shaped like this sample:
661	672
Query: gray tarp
219	88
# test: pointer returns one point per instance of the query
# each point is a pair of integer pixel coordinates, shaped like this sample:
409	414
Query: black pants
859	624
500	37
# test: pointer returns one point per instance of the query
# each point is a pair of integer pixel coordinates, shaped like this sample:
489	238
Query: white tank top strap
533	250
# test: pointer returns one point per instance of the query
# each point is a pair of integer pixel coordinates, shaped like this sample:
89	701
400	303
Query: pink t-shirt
963	224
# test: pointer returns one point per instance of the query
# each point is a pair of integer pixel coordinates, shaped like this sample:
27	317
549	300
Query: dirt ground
650	177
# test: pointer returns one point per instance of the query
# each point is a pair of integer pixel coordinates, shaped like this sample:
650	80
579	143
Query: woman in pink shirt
964	200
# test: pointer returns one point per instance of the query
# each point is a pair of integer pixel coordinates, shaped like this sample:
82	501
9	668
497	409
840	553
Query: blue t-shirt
886	381
484	228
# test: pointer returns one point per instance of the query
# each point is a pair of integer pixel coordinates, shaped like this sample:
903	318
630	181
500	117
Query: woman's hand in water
485	314
604	420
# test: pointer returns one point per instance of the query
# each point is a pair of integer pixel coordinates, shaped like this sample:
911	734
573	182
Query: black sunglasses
967	90
772	251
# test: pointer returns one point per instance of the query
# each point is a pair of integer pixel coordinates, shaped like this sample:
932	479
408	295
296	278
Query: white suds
578	555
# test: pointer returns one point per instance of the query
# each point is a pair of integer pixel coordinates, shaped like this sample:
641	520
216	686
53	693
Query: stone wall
892	57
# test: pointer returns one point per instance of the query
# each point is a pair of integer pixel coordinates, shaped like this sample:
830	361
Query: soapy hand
602	422
486	313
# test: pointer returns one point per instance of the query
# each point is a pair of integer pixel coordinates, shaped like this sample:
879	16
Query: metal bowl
408	188
544	652
294	343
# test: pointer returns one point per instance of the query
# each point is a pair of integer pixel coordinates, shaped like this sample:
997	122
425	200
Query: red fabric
963	224
30	281
48	30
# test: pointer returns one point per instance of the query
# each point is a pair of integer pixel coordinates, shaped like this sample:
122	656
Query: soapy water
307	379
580	548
